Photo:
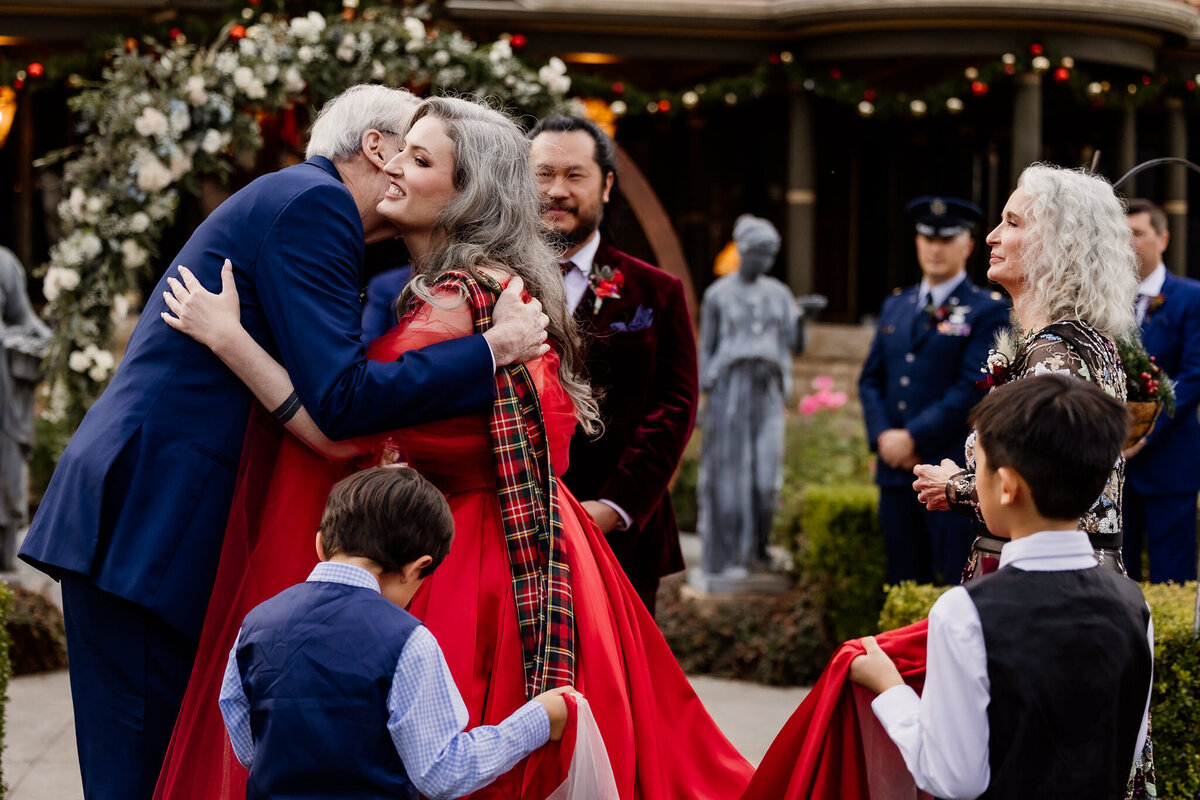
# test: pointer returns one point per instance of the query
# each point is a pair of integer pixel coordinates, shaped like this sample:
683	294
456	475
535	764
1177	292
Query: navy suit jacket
1170	461
641	353
925	383
139	500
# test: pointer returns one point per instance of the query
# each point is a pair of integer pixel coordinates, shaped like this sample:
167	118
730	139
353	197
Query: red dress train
833	747
661	742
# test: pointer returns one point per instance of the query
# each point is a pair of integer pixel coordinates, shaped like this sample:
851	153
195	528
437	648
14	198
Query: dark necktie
566	267
922	315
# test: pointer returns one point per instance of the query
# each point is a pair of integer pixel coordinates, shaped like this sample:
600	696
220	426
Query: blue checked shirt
426	714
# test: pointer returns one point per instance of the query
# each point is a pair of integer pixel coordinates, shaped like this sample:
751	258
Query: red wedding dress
661	742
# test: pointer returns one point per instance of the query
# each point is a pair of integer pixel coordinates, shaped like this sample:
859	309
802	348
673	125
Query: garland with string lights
950	96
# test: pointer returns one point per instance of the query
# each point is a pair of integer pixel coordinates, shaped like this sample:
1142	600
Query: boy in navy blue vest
333	690
1038	675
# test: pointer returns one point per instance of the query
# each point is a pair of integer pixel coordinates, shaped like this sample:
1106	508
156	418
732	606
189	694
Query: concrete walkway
40	762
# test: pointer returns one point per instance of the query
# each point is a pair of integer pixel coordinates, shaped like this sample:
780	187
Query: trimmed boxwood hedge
1175	704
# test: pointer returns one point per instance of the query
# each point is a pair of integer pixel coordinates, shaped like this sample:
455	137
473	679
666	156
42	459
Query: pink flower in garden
822	383
832	399
809	405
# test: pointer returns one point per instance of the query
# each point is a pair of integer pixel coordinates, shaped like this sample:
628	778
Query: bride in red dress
464	199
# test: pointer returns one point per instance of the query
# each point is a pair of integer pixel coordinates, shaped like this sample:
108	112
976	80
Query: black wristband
287	409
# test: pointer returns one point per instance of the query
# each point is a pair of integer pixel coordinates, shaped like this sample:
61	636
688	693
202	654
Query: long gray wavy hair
1078	257
495	221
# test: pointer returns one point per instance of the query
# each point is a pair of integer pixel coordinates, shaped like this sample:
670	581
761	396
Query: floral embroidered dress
1071	347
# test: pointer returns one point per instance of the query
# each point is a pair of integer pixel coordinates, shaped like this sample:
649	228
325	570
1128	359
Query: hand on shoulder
518	332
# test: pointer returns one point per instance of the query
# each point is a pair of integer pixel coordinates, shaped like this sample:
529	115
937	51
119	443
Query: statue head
757	245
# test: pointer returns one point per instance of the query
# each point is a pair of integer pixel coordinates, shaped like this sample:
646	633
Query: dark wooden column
1176	202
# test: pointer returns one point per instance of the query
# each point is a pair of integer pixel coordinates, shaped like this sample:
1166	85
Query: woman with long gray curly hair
1063	252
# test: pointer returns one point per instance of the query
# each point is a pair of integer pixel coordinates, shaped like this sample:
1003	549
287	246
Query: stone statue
747	332
24	340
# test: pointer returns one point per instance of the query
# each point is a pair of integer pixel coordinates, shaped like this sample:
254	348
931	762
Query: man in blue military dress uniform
918	384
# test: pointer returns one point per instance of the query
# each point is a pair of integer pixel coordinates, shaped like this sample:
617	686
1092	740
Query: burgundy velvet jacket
641	353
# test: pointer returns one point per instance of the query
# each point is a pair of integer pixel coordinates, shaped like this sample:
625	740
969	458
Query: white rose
120	308
78	361
560	85
139	222
226	63
151	122
181	164
242	77
256	90
97	373
346	51
152	176
103	359
91	246
316	20
68	278
247	47
77	201
133	254
441	58
50	287
95	205
378	71
197	94
293	81
500	51
211	142
181	119
415	29
269	73
305	54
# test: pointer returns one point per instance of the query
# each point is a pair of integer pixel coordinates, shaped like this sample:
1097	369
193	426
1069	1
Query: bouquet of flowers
1149	389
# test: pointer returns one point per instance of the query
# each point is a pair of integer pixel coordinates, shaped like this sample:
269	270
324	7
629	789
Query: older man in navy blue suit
1162	475
918	384
133	519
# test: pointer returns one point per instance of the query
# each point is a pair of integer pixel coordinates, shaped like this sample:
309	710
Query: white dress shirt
943	733
1150	287
576	281
576	284
940	293
426	713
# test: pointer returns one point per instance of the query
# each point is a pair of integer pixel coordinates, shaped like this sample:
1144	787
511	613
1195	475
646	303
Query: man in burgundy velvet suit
641	355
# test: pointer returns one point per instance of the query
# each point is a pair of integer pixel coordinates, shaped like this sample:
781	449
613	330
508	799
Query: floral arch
167	115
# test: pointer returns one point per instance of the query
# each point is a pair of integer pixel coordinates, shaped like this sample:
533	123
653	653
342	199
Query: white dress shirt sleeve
235	709
426	720
943	734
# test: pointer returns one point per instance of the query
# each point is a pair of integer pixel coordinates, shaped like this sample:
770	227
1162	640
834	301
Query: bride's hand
211	319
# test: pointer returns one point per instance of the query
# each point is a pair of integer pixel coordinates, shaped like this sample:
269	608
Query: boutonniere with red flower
998	368
606	282
1156	302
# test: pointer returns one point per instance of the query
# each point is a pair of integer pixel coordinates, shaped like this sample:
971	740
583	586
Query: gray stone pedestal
737	582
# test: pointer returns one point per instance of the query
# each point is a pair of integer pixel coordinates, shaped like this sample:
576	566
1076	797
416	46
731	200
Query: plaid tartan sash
529	508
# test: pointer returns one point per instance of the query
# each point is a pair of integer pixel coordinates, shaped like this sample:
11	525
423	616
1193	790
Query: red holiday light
176	33
1145	80
979	87
131	45
869	95
518	40
18	84
664	105
1010	69
1062	74
237	32
1191	86
836	74
36	70
1035	49
618	88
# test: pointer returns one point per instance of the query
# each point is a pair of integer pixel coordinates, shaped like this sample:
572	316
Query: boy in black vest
1038	675
333	690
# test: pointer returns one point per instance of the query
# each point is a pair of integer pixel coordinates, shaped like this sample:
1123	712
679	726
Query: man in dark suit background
640	354
918	384
133	519
1162	475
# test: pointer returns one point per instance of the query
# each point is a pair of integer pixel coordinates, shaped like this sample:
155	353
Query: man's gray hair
338	130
